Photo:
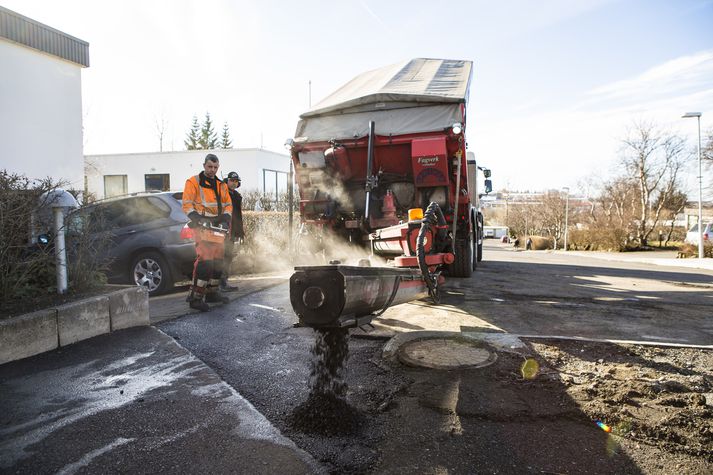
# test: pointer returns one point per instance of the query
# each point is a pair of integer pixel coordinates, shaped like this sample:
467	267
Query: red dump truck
389	141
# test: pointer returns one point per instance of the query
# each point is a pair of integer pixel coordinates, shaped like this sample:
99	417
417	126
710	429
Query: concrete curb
691	263
45	330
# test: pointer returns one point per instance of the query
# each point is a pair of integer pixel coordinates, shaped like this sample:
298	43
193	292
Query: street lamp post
566	216
697	115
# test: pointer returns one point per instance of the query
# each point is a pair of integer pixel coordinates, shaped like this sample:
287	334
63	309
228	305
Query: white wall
249	163
40	115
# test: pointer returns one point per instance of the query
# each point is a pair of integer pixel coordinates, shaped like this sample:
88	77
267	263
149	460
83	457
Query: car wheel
150	271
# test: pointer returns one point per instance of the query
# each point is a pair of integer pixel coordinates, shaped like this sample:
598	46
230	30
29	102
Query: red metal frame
432	260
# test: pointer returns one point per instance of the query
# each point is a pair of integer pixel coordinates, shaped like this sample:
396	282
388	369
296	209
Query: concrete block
84	319
129	308
28	335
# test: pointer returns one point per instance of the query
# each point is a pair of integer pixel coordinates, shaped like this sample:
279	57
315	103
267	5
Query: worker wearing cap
206	201
236	228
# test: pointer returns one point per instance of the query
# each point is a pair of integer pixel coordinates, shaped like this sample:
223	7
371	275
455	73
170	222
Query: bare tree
707	154
552	215
161	124
652	159
707	150
619	202
674	204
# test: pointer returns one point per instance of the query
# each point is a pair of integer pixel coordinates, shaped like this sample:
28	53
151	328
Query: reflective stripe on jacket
202	199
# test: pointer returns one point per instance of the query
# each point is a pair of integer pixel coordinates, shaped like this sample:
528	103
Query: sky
556	83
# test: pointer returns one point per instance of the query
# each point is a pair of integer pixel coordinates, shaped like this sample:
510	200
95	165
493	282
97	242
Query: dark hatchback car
145	239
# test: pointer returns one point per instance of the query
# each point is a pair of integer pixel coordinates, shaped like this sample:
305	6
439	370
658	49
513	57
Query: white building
41	100
120	174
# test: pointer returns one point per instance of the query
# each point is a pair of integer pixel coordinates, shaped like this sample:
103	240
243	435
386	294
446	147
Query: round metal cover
446	353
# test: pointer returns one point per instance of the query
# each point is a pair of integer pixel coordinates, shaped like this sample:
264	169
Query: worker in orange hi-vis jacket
206	201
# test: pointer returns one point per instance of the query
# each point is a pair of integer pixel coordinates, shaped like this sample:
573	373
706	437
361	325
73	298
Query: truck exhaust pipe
341	296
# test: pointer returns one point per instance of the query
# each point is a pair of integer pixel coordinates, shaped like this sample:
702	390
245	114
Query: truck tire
476	255
479	239
463	264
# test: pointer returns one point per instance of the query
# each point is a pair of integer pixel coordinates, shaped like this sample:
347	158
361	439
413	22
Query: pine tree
225	141
208	139
192	137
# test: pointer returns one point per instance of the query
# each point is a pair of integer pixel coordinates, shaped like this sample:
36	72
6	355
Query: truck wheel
479	240
463	264
150	271
476	255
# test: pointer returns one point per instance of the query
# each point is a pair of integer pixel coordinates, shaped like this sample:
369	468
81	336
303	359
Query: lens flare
603	426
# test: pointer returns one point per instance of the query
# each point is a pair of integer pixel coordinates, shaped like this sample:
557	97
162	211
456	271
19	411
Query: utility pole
700	183
566	216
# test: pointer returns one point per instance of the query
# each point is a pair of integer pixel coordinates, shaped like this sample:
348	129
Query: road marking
497	300
265	307
652	337
619	342
87	459
239	320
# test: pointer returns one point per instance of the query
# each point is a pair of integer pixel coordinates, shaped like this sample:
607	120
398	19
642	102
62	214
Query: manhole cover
446	353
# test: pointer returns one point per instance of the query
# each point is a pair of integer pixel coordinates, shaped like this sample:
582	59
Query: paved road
214	391
557	293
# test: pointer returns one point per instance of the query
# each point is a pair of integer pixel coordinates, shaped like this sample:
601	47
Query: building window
274	182
157	182
115	185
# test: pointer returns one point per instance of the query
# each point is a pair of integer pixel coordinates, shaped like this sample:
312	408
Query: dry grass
691	250
539	243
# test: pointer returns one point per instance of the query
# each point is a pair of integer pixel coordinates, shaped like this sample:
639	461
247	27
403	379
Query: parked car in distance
692	235
148	245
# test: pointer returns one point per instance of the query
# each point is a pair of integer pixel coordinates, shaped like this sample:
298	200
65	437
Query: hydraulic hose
432	217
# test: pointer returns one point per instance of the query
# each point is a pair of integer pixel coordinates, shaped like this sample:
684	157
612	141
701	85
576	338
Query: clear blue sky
556	82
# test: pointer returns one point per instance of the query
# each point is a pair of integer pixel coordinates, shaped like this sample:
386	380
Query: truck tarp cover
420	95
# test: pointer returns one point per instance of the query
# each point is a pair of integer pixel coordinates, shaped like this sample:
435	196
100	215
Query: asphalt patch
326	411
326	414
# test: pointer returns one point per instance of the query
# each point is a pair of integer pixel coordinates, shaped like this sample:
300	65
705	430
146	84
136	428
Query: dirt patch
536	411
560	407
661	397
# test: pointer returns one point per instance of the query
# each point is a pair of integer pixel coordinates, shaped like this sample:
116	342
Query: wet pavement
133	402
173	304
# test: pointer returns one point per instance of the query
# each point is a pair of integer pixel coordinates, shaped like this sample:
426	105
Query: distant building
496	232
120	174
690	213
41	98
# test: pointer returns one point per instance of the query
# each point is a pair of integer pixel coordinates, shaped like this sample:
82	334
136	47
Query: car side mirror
488	186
